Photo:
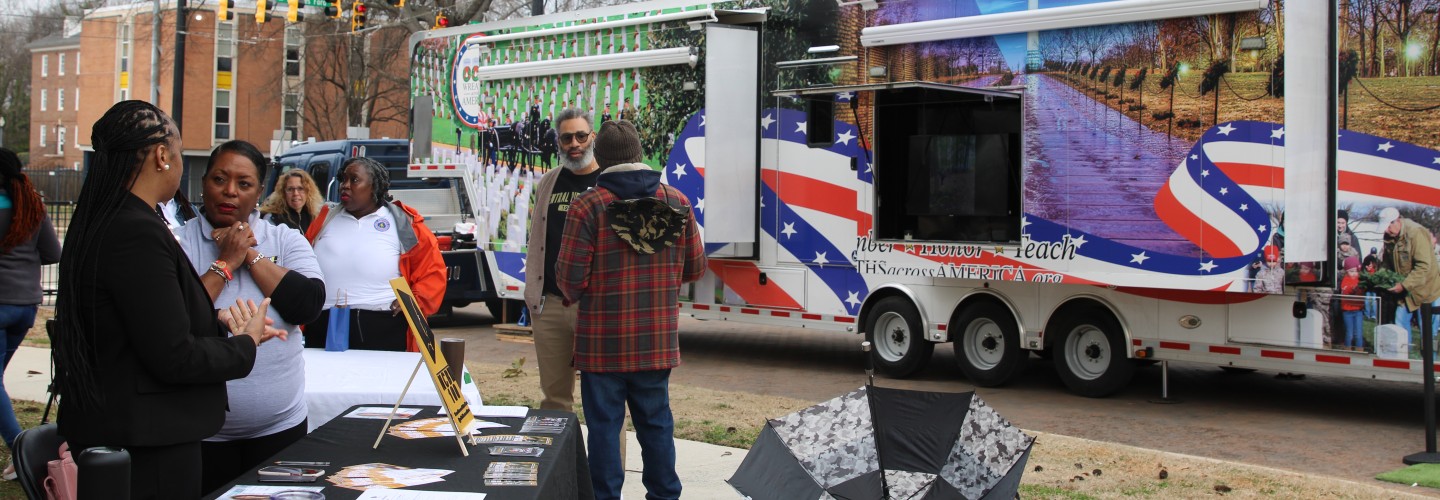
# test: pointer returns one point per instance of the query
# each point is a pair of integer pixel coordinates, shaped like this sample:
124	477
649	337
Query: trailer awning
1012	92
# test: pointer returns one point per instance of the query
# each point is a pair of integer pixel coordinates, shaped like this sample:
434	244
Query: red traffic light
441	21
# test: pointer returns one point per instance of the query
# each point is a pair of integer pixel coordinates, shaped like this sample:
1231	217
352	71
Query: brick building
243	80
55	102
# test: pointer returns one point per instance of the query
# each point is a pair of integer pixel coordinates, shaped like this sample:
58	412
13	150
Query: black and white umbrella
887	444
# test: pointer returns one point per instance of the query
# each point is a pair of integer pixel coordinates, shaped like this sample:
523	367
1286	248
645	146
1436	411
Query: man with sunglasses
553	322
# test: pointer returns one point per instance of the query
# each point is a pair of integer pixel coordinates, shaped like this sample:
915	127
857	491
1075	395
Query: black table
564	470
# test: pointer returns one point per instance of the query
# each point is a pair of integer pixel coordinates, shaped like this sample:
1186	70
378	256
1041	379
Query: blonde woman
295	201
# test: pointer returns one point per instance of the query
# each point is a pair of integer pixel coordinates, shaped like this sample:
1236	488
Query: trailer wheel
988	349
1091	358
898	346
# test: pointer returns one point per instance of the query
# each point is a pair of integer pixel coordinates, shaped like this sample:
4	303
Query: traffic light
262	11
224	13
334	10
441	21
293	13
357	16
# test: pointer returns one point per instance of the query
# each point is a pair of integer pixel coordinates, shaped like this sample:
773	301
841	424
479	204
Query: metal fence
59	212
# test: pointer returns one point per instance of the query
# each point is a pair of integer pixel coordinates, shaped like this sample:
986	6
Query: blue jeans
603	397
1354	326
1403	315
1372	304
15	322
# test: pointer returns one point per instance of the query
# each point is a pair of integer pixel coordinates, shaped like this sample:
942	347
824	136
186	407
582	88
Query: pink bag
61	483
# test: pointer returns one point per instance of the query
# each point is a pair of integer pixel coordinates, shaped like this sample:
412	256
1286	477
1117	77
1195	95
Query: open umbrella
887	443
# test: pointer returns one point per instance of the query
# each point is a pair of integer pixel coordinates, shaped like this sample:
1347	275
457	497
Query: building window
77	63
224	79
293	39
222	114
42	135
61	67
60	99
77	98
292	114
124	61
76	136
44	99
45	65
59	140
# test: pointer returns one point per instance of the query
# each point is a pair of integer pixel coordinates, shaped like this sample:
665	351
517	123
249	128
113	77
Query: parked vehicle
1102	184
437	199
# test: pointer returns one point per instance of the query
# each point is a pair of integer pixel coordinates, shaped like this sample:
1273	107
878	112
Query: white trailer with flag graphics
1100	182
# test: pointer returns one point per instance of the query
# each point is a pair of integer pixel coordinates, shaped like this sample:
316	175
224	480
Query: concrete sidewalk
703	468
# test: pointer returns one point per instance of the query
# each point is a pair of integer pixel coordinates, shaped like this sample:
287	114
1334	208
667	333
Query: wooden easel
456	409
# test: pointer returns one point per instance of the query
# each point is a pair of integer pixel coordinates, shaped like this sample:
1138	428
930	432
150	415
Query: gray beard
580	164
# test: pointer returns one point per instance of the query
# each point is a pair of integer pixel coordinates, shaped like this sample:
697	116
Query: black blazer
161	358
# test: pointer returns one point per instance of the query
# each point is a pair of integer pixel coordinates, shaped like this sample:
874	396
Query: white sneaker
9	474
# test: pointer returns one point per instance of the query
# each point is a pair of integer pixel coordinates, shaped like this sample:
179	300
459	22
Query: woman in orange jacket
364	242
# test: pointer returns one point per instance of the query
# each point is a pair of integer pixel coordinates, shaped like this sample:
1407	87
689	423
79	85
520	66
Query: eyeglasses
294	190
576	137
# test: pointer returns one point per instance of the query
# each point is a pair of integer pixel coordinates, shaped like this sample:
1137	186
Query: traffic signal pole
177	92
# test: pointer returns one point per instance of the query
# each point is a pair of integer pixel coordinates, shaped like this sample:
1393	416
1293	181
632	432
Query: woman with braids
27	241
141	358
267	409
363	243
295	201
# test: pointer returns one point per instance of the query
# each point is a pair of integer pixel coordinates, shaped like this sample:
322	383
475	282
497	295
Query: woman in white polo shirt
363	243
241	257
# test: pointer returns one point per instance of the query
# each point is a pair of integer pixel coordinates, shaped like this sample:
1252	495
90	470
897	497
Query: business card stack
516	451
514	439
512	474
545	425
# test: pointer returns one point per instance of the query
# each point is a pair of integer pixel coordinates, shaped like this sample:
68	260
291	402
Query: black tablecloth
564	470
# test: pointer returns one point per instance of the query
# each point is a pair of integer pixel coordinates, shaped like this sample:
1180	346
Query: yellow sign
447	386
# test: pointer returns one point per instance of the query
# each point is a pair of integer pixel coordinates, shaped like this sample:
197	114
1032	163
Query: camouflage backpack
648	224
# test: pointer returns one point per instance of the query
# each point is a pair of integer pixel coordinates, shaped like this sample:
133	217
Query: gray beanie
617	143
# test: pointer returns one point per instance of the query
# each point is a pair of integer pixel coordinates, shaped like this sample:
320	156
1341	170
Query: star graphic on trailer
1437	160
679	170
1278	133
800	127
1078	241
702	120
522	264
1204	173
844	137
1385	147
789	230
820	258
1207	266
1139	258
845	95
1244	207
853	299
700	205
1260	228
766	121
1224	190
1194	157
1226	129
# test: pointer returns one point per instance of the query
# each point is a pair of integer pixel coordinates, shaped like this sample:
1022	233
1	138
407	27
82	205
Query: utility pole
537	7
154	55
177	89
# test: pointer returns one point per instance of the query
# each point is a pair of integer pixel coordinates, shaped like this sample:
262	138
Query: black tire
900	348
1237	370
505	310
1090	354
987	345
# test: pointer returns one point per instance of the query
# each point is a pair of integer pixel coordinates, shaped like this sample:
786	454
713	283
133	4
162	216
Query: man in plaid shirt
628	246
